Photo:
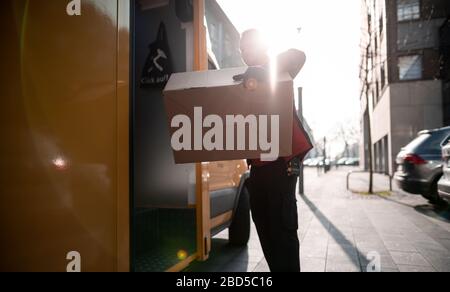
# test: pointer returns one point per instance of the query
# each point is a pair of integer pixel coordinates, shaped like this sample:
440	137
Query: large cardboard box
199	104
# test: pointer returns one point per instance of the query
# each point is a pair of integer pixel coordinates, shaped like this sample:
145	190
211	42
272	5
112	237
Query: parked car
342	161
326	164
444	183
352	162
316	162
420	164
307	162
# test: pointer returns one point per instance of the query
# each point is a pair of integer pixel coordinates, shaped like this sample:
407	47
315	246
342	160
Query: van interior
163	194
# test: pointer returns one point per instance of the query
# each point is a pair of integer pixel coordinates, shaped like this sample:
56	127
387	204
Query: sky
328	31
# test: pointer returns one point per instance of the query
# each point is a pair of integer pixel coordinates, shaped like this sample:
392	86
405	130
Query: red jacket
301	144
293	60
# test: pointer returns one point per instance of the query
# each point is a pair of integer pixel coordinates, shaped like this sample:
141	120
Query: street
341	231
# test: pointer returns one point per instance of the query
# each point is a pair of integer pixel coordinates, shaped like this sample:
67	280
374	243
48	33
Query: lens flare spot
59	163
182	255
273	71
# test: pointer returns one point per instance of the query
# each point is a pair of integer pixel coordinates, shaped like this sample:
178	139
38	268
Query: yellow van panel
64	135
226	174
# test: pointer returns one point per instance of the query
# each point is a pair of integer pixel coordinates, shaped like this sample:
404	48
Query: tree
348	133
367	66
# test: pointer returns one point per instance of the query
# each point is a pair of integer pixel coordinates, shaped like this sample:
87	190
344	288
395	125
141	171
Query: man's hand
294	167
253	76
292	61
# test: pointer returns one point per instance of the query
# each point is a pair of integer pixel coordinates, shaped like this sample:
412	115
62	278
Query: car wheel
239	231
434	196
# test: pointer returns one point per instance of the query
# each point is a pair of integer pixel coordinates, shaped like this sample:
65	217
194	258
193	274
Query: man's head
254	49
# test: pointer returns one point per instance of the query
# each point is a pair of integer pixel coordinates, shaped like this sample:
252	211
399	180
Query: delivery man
272	185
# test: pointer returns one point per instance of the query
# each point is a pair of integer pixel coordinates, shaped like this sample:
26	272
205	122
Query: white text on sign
213	139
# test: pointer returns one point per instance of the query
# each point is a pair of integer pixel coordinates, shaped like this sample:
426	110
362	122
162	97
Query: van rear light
414	159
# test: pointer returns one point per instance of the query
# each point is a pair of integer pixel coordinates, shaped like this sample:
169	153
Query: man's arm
292	62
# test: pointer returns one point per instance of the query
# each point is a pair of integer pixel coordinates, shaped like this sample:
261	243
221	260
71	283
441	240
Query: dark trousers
274	210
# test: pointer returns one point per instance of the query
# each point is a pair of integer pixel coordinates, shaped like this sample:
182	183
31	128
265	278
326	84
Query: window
408	9
381	24
377	91
410	67
446	141
433	144
381	154
383	76
376	44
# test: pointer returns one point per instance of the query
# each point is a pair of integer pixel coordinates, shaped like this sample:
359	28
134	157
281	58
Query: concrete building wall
400	109
445	68
416	106
381	126
381	117
404	110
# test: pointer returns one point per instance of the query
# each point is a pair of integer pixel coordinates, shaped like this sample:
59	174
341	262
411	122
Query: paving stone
411	259
313	265
439	262
386	262
262	267
415	269
342	267
313	251
339	229
402	246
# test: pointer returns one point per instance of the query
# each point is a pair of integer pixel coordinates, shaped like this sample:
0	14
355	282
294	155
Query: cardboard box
212	99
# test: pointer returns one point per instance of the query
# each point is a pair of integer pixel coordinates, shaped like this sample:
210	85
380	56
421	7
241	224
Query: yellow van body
65	138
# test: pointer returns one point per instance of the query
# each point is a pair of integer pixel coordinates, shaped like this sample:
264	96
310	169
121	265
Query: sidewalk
338	230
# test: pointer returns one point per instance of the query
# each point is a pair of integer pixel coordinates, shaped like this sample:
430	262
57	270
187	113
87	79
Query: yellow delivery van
88	180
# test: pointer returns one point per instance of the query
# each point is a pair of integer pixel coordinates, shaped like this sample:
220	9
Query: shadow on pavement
334	231
437	212
434	211
395	201
223	258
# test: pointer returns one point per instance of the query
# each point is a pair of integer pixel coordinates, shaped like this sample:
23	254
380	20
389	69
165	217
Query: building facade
401	76
445	68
